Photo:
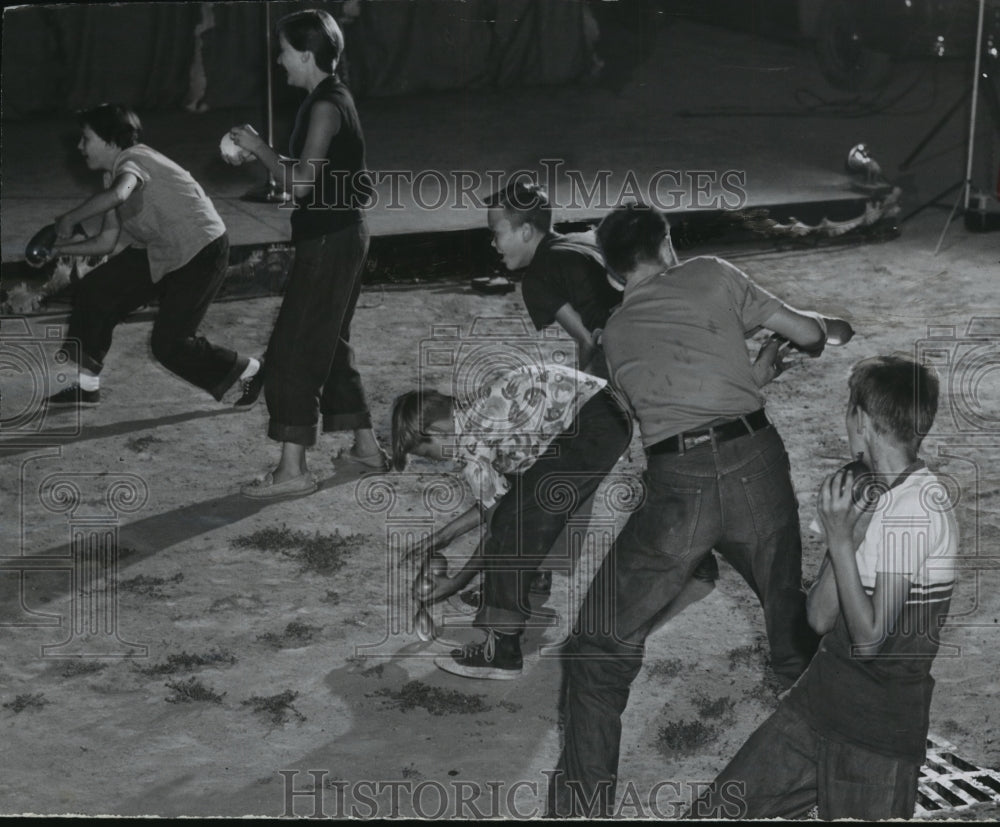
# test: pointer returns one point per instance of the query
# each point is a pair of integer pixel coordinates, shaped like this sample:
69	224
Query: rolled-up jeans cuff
296	434
239	365
503	620
346	422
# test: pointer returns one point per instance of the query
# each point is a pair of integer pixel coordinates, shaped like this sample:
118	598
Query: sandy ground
222	604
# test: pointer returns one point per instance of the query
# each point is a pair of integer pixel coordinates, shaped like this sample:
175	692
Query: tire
843	58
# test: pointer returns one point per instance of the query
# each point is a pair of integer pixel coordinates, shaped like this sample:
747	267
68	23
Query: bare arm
822	606
803	328
101	244
297	176
869	619
571	322
459	581
101	203
462	524
769	363
447	586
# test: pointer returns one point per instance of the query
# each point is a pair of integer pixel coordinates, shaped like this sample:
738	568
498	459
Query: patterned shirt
512	420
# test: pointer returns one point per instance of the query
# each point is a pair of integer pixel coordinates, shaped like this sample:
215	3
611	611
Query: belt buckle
694	441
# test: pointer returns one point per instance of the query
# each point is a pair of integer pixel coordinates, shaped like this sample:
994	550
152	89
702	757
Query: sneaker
251	389
707	570
497	658
74	396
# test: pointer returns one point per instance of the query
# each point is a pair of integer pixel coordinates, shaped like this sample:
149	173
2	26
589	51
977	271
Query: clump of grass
665	669
76	668
278	707
141	443
714	708
411	772
685	736
436	701
374	671
331	597
295	634
186	661
753	654
271	538
149	586
509	706
27	701
235	602
319	553
192	690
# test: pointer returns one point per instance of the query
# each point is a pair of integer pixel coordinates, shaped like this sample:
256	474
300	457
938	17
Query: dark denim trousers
533	513
107	294
786	767
309	365
735	497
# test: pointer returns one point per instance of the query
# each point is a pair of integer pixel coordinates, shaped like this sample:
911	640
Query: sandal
267	489
379	461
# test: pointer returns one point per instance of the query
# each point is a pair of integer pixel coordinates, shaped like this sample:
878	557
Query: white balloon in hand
231	153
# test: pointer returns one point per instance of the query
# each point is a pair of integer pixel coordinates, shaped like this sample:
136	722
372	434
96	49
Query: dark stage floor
713	119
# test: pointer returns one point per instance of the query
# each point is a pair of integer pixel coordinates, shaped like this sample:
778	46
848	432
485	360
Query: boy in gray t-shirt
717	476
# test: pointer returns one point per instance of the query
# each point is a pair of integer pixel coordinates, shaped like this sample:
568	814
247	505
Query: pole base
267	194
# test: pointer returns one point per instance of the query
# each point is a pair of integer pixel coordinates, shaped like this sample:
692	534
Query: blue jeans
786	767
530	517
735	497
123	283
309	365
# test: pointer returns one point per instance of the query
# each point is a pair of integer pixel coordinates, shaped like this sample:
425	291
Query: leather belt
734	428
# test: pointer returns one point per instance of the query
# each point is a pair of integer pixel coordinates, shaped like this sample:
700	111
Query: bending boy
565	282
530	429
717	476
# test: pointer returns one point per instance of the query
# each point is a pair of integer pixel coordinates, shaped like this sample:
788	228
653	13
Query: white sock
88	381
251	369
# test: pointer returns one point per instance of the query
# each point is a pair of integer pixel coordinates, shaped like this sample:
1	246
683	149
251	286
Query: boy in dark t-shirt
565	282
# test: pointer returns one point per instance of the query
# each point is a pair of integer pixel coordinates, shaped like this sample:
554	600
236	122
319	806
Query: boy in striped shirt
850	735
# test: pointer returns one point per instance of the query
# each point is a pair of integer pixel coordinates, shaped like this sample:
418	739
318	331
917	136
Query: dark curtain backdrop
58	58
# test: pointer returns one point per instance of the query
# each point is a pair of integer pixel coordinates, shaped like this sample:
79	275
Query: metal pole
271	193
975	101
270	78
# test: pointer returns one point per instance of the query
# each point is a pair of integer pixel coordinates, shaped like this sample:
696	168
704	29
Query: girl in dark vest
309	369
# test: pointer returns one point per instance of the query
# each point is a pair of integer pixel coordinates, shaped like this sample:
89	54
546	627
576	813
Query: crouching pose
717	476
179	258
529	429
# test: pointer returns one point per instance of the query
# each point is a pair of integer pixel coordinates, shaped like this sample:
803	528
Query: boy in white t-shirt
850	735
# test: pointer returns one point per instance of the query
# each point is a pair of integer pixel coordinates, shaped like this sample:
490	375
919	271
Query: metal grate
948	782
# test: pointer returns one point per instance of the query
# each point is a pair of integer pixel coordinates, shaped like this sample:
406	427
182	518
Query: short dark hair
113	123
524	202
630	234
316	31
898	394
412	412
